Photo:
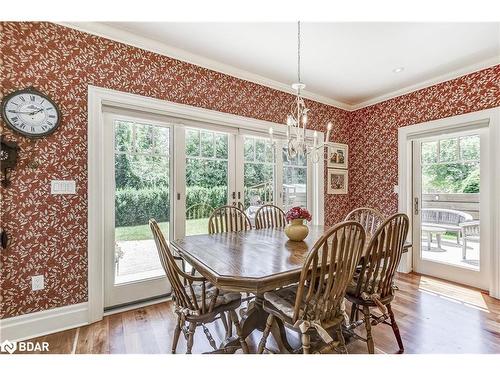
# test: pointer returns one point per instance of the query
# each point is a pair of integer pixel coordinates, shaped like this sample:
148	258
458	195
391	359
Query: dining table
252	261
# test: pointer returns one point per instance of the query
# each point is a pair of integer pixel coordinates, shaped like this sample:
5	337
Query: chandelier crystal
296	121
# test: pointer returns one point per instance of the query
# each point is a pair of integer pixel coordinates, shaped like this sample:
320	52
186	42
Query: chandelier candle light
296	122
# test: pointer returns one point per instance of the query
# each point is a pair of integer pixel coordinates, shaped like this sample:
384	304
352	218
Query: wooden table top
254	261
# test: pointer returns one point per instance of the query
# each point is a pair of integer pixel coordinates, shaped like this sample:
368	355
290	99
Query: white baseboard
42	323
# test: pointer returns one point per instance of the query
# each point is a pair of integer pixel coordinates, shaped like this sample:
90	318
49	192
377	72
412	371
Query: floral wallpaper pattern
49	232
373	134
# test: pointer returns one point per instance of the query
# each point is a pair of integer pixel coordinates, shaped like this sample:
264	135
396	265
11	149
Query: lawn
142	232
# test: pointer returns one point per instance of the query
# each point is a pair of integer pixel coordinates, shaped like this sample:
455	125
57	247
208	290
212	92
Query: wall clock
30	113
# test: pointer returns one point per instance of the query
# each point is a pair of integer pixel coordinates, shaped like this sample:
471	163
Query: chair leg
464	248
192	328
224	323
236	322
395	329
265	334
368	325
354	309
177	333
341	338
306	343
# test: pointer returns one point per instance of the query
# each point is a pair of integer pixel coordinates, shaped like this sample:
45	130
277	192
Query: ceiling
349	63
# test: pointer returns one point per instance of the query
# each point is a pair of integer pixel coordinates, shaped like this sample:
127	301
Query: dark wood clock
30	113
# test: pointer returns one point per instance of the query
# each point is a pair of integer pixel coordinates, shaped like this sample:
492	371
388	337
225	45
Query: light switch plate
37	282
396	189
62	187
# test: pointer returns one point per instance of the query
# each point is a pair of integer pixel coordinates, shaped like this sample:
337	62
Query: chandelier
296	121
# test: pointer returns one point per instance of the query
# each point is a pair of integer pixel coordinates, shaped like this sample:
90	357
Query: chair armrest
470	227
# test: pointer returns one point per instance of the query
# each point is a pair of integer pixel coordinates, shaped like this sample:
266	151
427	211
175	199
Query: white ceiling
350	63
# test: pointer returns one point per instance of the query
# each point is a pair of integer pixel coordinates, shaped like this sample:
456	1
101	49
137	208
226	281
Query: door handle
415	206
234	195
239	194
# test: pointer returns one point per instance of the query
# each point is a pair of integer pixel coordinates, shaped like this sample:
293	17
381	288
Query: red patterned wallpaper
373	143
49	233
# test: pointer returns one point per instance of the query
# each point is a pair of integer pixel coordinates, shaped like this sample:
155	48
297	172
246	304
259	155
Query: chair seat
352	296
222	299
282	301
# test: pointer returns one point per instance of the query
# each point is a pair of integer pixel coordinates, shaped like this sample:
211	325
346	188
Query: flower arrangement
298	213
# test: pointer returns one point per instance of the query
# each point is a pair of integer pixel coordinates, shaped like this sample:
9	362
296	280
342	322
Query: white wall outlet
396	189
37	282
62	187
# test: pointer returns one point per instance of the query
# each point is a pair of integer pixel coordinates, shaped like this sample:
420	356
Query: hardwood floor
434	316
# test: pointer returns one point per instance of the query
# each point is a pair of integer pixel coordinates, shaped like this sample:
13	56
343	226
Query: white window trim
182	114
489	118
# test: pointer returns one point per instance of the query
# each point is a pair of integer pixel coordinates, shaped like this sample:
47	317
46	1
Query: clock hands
29	113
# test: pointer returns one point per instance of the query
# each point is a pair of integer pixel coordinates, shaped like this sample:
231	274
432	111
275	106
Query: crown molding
488	63
126	37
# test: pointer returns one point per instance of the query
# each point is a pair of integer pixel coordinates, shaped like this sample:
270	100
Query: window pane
207	144
161	137
221	146
249	149
448	151
123	136
260	150
259	181
206	178
192	142
429	152
294	181
143	138
469	148
142	192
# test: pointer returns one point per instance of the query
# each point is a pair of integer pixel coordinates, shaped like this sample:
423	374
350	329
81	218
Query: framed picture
338	155
338	180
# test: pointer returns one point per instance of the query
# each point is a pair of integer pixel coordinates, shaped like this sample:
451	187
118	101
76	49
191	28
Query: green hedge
137	206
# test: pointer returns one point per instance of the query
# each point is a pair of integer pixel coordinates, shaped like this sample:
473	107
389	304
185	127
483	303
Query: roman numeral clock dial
30	113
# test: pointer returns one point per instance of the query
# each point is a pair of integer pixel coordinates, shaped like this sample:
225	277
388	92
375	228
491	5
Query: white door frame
180	113
487	118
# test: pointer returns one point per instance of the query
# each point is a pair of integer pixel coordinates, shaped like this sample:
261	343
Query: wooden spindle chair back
181	282
228	219
270	216
383	256
369	218
327	271
199	211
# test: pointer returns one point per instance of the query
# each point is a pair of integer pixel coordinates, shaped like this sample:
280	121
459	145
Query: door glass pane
206	177
142	180
450	201
294	181
259	174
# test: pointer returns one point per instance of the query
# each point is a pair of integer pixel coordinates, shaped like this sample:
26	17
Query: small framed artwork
338	180
338	154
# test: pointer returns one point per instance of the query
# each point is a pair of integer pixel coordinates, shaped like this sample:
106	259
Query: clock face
30	113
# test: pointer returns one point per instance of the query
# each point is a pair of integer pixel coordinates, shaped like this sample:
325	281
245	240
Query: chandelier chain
298	51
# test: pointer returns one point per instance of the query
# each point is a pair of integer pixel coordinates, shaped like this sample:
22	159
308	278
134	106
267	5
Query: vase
297	230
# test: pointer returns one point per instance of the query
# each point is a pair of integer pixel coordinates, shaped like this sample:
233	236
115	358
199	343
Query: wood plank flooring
434	316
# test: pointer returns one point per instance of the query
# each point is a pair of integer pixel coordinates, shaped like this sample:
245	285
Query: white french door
178	171
451	206
139	183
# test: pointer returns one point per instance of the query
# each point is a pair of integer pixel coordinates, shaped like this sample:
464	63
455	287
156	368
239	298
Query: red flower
298	213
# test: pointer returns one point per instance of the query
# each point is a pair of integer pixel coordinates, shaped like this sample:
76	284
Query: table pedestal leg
255	318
